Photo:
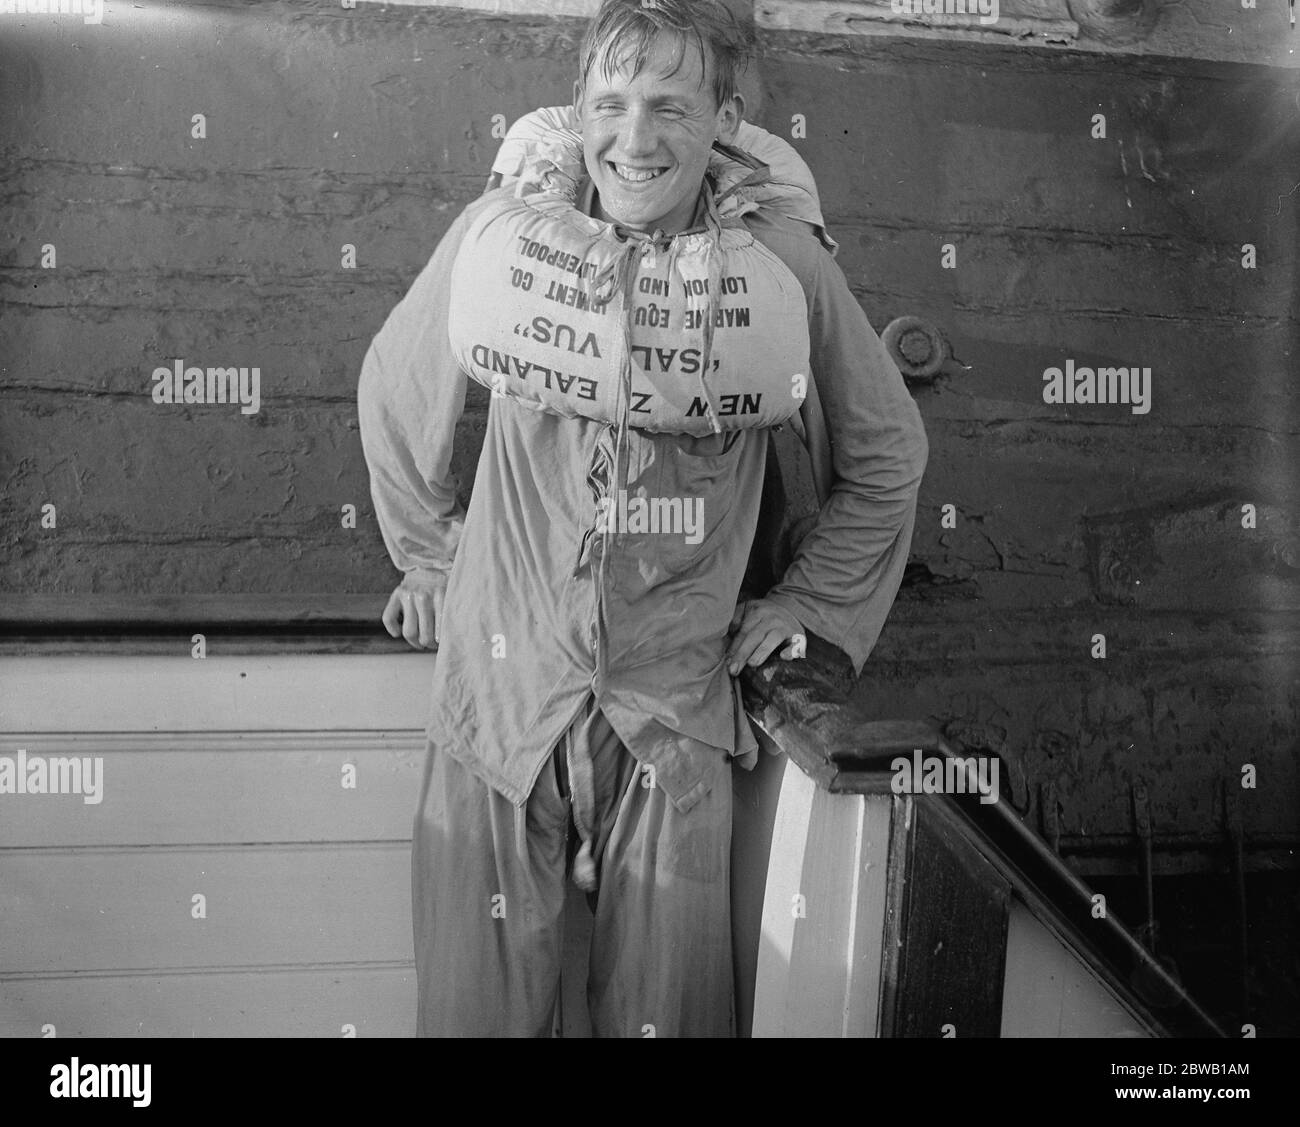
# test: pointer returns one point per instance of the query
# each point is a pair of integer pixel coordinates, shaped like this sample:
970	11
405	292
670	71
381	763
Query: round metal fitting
916	346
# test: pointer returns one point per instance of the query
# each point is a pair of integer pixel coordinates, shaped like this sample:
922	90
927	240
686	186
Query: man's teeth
637	175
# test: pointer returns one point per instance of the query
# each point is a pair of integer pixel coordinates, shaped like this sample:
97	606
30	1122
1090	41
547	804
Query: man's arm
848	569
410	397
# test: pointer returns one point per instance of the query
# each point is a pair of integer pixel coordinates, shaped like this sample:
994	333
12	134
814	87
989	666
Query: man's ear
729	118
577	103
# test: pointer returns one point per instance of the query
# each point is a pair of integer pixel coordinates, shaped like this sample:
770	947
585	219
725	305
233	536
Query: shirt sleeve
410	397
848	568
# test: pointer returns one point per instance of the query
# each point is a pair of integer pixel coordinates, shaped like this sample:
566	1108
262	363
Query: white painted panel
319	1002
784	880
205	763
865	948
819	973
152	693
755	796
1050	992
132	909
237	789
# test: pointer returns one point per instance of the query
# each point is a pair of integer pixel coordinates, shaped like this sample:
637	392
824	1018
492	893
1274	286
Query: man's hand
757	628
414	609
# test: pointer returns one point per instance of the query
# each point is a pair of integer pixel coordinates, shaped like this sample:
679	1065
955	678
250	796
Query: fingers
410	620
392	614
414	615
754	646
758	628
422	602
438	596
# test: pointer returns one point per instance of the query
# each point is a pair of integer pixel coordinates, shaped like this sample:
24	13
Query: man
585	710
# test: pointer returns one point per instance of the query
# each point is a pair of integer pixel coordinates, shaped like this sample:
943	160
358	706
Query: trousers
488	894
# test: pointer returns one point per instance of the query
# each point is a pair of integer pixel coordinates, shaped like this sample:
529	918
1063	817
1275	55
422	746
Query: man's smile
631	174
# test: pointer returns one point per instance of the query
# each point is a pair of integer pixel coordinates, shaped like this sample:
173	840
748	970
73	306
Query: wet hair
626	30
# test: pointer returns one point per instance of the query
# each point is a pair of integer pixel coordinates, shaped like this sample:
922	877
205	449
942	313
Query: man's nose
638	136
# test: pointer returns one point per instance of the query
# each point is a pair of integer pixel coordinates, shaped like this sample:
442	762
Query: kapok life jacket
696	333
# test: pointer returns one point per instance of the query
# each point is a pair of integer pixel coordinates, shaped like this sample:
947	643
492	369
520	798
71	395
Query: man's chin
638	214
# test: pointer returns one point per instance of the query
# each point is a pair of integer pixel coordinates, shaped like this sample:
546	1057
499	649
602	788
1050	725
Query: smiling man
647	142
585	710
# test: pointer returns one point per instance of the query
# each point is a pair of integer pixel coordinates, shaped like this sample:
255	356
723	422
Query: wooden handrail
804	709
39	625
141	613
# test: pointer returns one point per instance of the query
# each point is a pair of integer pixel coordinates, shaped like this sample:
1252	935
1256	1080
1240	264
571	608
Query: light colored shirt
523	615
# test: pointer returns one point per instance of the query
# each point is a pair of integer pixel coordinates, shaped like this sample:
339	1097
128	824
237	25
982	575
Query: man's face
647	139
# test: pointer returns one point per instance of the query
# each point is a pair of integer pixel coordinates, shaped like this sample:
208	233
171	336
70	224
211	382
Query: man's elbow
909	454
920	457
373	408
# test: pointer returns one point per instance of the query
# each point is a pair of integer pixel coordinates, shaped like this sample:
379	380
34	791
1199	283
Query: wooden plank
180	524
576	8
260	308
1201	29
895	915
200	788
1080	265
755	796
143	209
835	960
1050	992
820	953
104	693
774	983
75	644
131	611
376	1001
132	625
864	949
104	910
999	154
819	963
1038	21
879	740
1004	388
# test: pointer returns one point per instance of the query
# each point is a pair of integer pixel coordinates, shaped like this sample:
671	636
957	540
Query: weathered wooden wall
1076	520
325	127
372	127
